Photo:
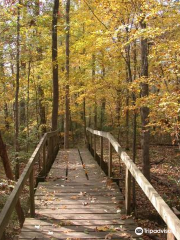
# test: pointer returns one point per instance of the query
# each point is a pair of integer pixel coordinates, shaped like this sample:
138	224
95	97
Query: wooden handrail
27	173
162	208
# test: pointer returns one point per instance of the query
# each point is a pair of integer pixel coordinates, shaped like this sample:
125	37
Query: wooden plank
65	238
116	238
78	182
79	193
128	192
95	147
92	222
68	216
57	210
82	206
44	160
110	161
31	193
92	228
77	188
75	235
74	202
82	199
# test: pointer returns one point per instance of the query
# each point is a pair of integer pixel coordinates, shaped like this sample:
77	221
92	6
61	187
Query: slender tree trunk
118	106
129	79
89	122
103	108
17	93
84	118
37	110
127	118
55	66
27	107
145	109
9	175
93	82
67	100
22	117
40	91
6	115
134	127
42	110
103	104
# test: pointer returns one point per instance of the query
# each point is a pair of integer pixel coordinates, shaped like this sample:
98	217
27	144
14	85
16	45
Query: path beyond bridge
78	202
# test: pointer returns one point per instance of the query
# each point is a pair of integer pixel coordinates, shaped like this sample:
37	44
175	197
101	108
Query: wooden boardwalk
78	202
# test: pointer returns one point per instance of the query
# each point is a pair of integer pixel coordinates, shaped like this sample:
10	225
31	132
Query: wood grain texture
72	206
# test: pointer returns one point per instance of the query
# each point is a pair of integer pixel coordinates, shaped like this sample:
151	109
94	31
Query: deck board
70	205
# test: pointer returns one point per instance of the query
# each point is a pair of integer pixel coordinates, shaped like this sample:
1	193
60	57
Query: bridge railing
48	147
172	221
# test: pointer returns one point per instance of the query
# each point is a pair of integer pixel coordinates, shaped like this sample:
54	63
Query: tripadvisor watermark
140	231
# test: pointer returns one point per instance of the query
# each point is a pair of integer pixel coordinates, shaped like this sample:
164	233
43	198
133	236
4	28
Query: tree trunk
55	66
103	104
84	118
134	128
67	102
42	110
118	106
129	79
27	107
6	115
40	91
127	119
22	116
17	93
93	82
89	122
103	108
145	109
9	175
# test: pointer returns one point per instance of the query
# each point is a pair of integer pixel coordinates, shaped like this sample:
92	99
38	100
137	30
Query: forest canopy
123	61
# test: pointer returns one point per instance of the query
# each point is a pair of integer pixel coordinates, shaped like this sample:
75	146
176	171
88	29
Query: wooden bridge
78	200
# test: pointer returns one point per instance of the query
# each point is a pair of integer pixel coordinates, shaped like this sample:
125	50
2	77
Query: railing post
56	144
39	162
128	192
101	147
44	159
49	158
88	141
170	235
91	147
31	192
110	160
52	149
94	146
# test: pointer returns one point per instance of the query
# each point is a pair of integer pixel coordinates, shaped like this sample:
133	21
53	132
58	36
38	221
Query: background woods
109	65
